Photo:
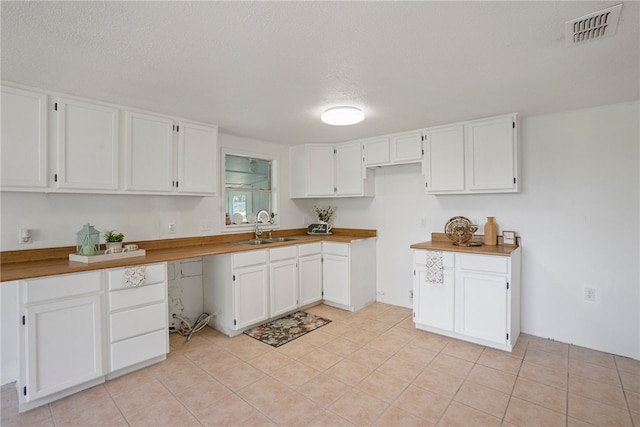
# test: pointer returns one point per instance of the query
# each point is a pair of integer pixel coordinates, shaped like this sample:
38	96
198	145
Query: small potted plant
113	239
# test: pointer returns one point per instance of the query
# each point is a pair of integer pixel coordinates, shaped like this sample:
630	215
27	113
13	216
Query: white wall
578	215
55	218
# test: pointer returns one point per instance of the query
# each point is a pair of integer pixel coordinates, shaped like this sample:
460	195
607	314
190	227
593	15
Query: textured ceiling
266	70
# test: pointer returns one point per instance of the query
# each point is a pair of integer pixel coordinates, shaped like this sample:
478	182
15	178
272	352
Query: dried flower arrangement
325	214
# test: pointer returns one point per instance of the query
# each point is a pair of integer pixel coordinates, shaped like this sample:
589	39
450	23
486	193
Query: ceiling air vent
594	26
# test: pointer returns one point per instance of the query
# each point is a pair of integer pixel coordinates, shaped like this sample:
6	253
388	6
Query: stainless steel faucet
261	212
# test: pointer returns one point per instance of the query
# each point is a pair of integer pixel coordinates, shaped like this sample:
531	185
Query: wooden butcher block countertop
440	242
28	264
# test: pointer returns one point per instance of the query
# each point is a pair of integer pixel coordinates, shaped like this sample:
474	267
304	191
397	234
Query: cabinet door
87	146
63	345
310	279
149	153
444	159
376	152
283	278
406	148
24	138
492	155
320	161
349	179
335	279
482	306
197	158
433	302
250	295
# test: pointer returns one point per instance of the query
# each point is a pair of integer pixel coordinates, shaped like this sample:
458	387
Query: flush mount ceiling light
342	116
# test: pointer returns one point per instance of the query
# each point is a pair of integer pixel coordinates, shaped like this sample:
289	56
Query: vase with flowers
325	214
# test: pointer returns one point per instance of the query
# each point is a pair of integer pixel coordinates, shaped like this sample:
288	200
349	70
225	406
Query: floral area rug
288	328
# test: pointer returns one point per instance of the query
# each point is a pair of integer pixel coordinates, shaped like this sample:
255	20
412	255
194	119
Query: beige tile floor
371	367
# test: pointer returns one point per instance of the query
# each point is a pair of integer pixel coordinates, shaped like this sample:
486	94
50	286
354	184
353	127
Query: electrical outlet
205	225
305	220
589	294
171	227
25	236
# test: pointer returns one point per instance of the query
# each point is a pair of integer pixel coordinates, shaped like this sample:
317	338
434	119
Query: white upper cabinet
87	146
479	156
406	148
24	139
197	158
149	152
492	154
443	164
349	179
321	170
312	170
376	152
393	149
95	147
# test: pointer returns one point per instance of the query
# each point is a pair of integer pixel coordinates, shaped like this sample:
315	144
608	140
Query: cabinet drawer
131	297
250	258
135	350
420	258
155	273
130	323
335	248
283	253
486	263
59	287
309	249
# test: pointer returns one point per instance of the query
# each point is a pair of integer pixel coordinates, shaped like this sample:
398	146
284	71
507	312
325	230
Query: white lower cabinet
310	273
335	273
433	301
138	326
248	288
349	274
61	337
478	299
236	289
283	279
66	344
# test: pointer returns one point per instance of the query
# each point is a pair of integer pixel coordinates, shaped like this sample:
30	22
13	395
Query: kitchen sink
256	242
281	239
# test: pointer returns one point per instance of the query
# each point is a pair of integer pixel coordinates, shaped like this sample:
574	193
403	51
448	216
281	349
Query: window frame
274	199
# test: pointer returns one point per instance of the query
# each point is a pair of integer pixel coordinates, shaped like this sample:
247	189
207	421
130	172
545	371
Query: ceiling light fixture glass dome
342	116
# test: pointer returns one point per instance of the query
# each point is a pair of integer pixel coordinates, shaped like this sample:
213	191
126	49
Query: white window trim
275	195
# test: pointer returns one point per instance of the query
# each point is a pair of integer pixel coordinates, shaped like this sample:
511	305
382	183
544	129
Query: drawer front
243	259
130	323
285	252
335	248
485	263
310	249
155	273
131	297
420	258
58	287
135	350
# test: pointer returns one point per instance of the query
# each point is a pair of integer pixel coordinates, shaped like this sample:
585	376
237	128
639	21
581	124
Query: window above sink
250	180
